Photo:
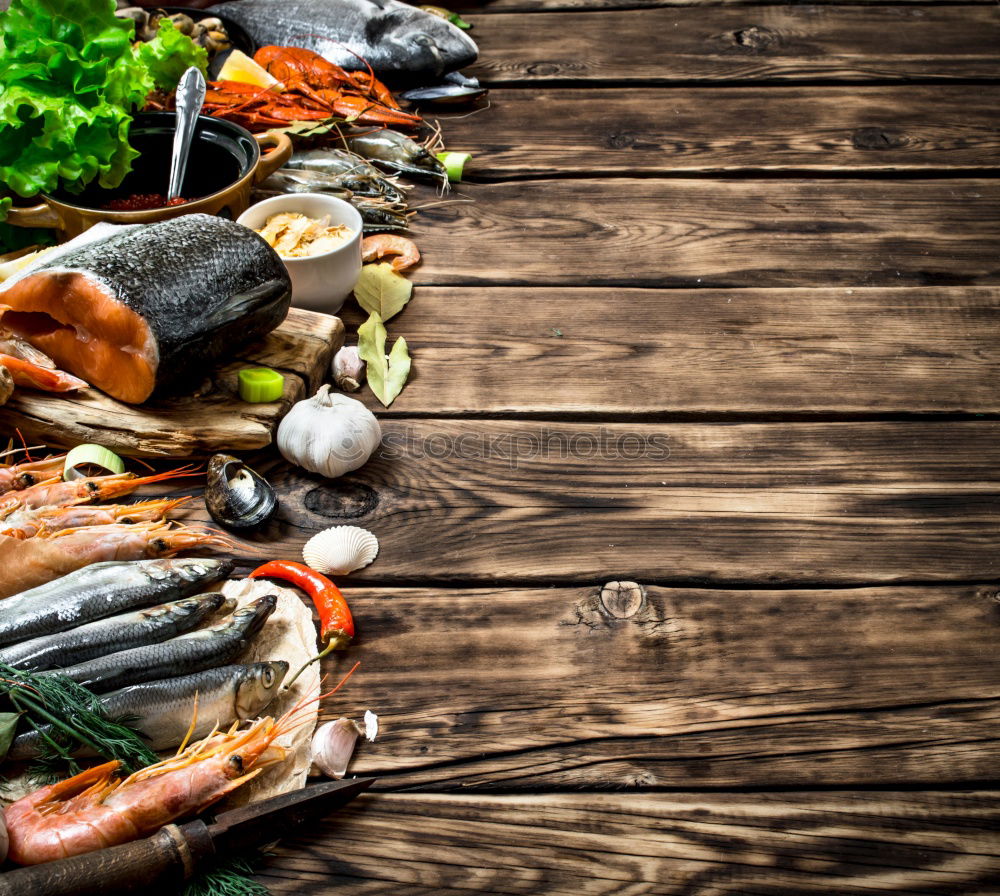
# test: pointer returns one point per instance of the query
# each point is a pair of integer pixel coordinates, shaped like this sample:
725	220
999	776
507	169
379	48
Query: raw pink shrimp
81	491
25	475
381	244
26	563
95	809
34	376
29	523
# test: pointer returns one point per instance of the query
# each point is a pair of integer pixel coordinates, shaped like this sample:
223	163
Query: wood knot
877	138
754	38
625	140
350	500
623	600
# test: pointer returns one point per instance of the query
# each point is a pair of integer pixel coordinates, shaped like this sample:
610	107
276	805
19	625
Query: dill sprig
67	716
227	877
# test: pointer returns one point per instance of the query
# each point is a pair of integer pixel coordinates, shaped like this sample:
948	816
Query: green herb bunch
67	716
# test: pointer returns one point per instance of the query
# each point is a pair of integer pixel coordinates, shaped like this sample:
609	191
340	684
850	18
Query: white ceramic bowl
319	282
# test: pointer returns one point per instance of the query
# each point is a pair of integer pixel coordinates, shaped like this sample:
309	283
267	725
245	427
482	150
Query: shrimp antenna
289	720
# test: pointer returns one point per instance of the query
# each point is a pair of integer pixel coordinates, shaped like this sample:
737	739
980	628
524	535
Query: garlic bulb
333	746
329	434
348	369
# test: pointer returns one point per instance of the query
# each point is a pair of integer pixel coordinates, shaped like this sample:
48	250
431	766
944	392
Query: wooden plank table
690	512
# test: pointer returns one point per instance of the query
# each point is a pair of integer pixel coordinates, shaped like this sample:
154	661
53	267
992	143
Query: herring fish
142	308
161	711
403	44
104	589
112	634
183	655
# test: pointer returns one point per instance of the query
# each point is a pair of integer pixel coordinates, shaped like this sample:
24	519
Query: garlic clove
371	725
348	369
333	746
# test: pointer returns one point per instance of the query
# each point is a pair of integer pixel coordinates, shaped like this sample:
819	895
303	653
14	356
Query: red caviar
142	202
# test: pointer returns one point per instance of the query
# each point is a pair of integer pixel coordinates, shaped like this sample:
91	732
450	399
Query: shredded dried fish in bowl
293	235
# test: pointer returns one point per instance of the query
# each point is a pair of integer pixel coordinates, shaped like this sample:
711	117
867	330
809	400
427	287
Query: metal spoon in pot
190	97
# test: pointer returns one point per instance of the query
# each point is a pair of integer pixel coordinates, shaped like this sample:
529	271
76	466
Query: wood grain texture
630	844
542	502
721	233
508	350
727	43
212	419
684	130
565	689
469	8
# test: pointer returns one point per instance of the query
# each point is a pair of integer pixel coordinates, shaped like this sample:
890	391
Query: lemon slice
240	67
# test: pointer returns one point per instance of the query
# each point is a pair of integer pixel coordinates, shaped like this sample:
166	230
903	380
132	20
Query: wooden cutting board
210	420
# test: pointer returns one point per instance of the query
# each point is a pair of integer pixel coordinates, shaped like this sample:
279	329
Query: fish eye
422	40
268	676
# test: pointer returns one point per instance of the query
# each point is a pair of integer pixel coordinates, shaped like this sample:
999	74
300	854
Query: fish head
197	570
255	614
259	687
417	41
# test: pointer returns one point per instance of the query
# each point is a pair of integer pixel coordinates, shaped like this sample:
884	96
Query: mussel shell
236	496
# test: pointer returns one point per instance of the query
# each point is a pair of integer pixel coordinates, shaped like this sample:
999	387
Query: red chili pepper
336	623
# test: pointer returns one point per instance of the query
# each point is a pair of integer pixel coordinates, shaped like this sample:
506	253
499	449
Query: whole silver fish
401	42
113	634
161	711
183	655
104	589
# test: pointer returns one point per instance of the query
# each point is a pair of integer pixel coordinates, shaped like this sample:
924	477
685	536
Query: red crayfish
312	89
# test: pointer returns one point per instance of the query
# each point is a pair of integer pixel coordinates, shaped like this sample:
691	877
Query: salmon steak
149	307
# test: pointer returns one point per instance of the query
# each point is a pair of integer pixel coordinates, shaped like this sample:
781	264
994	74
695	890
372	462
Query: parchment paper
289	635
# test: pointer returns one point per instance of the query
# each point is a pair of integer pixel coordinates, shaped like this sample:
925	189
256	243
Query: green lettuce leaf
69	81
170	54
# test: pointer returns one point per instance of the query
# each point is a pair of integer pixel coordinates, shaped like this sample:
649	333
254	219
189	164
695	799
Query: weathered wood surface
692	130
721	233
212	419
618	351
541	502
625	844
811	42
469	8
608	688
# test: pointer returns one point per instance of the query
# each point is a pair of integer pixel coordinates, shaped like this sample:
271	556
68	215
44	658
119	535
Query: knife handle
147	866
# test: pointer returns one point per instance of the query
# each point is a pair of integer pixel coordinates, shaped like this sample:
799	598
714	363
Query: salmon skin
148	308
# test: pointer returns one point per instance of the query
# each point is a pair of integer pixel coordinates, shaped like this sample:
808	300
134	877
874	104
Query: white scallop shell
340	550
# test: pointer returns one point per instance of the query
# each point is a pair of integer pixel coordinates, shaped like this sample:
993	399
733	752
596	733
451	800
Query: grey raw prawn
399	153
348	170
376	214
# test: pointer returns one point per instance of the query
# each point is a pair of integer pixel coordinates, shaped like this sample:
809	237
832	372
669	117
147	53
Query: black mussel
236	496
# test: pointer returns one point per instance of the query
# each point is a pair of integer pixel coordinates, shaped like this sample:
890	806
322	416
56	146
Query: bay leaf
380	290
8	722
386	375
